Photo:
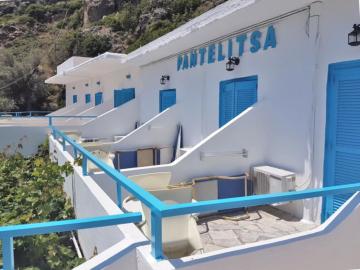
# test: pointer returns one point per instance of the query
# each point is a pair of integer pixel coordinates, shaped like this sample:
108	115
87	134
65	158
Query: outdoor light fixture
232	62
354	36
164	79
98	83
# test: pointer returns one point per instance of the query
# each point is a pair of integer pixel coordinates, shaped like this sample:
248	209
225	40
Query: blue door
87	98
74	99
167	98
123	96
98	98
235	97
342	142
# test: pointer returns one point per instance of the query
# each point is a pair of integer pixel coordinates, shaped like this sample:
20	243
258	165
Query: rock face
95	9
7	7
9	33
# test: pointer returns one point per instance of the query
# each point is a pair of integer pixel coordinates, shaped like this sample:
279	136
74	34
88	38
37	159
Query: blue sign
219	52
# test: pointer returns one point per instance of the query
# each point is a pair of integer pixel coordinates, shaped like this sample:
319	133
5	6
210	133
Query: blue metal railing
37	115
7	233
25	113
121	180
52	117
160	210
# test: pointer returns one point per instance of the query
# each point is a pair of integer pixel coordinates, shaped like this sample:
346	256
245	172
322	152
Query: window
235	97
87	98
123	96
167	98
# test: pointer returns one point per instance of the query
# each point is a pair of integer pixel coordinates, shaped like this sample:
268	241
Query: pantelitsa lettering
223	50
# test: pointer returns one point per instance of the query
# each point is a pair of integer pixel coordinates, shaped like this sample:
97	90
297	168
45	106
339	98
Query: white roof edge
193	25
63	79
107	55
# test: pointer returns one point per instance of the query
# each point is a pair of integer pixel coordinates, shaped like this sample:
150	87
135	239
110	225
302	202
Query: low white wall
78	109
29	138
332	246
117	121
160	131
89	200
99	109
123	255
243	132
73	109
86	110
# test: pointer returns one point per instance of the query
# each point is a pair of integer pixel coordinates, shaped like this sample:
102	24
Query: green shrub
32	191
155	31
124	20
74	21
183	6
37	11
25	19
92	45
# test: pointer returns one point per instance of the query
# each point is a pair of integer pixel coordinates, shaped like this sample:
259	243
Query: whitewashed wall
29	138
276	132
89	200
117	121
160	131
226	160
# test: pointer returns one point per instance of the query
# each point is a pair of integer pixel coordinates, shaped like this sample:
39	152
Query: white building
290	103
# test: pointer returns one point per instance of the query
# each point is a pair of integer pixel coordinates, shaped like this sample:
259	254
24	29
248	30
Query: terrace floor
238	228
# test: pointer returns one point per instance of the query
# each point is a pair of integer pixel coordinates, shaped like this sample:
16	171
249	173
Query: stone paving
262	223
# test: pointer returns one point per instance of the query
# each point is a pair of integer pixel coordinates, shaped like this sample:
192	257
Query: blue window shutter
74	99
98	98
123	96
245	95
342	147
167	99
227	103
235	97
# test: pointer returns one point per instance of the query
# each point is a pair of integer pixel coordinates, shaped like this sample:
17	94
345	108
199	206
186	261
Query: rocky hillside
37	35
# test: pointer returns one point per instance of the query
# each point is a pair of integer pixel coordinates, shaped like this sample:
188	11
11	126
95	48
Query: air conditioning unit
272	180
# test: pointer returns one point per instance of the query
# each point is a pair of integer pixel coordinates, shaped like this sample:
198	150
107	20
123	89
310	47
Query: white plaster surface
117	121
89	200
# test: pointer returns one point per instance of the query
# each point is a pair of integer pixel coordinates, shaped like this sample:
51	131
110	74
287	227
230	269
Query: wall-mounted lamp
354	36
164	79
232	62
98	82
86	85
73	87
128	76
